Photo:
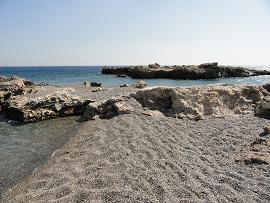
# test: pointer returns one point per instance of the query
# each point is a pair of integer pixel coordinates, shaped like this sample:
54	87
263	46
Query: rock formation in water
203	71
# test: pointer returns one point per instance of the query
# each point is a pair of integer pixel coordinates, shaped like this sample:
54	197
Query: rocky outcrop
13	86
193	103
197	102
263	108
140	84
58	104
257	153
12	83
203	71
106	109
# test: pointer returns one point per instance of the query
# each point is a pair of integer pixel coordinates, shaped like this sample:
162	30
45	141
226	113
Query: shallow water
25	147
79	74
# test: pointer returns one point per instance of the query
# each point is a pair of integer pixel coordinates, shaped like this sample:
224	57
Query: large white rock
197	102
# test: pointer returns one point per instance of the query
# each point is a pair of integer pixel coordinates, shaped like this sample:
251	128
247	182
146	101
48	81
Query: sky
126	32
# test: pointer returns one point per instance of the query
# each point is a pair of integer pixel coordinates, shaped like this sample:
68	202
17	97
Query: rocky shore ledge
193	72
25	101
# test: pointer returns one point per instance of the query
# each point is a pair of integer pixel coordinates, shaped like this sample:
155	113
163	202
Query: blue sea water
78	74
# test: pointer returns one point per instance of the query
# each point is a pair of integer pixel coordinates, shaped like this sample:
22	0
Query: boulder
95	84
257	153
13	86
263	108
267	87
106	109
58	104
13	83
140	84
197	102
266	131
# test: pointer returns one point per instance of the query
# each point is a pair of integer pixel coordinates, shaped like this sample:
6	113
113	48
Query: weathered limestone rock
140	84
13	83
257	153
203	71
197	102
106	109
263	108
13	86
57	104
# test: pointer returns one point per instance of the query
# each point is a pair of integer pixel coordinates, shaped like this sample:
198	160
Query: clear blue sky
100	32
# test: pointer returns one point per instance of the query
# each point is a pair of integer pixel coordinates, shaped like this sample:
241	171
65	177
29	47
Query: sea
25	147
63	75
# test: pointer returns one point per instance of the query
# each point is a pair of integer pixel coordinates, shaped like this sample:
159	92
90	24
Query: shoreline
129	150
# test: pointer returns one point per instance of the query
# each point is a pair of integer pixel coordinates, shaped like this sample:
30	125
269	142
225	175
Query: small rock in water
86	83
95	84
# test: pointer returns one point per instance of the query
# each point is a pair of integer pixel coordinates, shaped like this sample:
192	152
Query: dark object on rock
203	71
124	85
121	76
95	84
86	83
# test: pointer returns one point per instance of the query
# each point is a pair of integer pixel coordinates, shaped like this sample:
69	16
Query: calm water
25	147
76	75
